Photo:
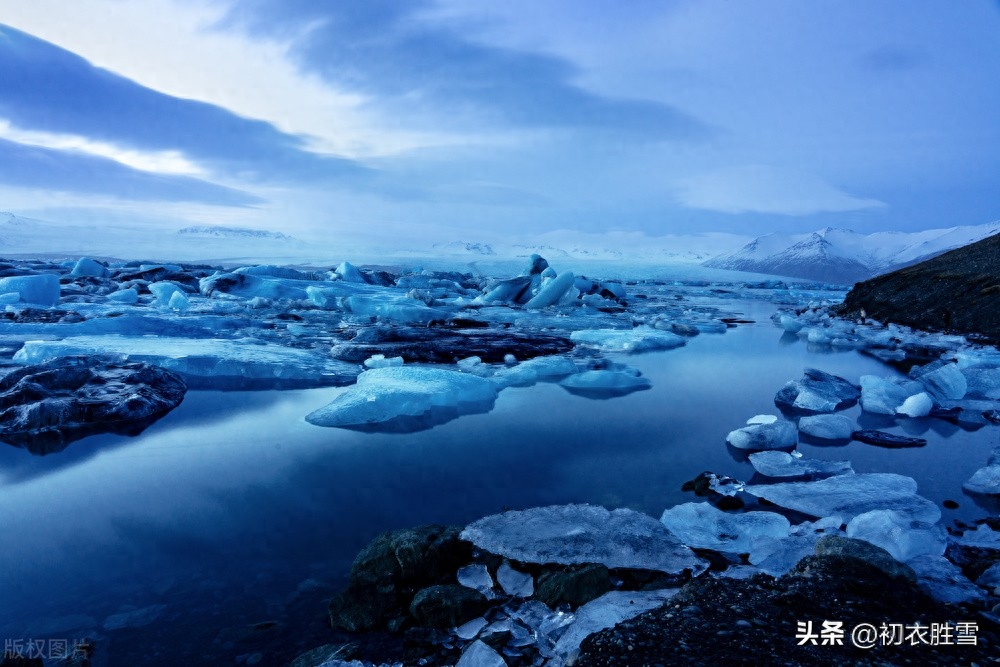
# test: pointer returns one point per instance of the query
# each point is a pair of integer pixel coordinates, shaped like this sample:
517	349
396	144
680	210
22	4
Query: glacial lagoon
222	530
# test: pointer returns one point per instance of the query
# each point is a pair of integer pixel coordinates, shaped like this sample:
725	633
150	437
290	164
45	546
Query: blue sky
438	119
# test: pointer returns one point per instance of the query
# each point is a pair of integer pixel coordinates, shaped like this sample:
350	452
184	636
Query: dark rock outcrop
762	620
44	407
958	291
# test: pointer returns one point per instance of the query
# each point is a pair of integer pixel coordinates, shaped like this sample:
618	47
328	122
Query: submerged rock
883	439
44	407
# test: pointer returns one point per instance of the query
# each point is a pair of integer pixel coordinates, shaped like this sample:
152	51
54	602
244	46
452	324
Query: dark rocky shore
958	291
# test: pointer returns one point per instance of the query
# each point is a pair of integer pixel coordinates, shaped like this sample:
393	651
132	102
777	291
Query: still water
232	510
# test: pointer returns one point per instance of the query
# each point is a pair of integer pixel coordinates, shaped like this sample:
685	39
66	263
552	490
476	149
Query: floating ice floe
898	534
986	480
827	427
885	396
605	383
779	434
817	392
381	361
575	534
406	398
785	464
943	380
530	371
848	496
205	363
702	526
41	289
639	339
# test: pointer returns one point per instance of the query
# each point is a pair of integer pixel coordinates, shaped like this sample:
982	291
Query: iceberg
817	392
41	289
702	526
88	267
827	427
780	434
205	363
576	534
848	496
640	339
944	381
407	399
552	291
125	296
885	396
605	383
785	464
901	536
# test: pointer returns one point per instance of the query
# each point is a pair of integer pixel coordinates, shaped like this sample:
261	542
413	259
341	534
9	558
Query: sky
416	120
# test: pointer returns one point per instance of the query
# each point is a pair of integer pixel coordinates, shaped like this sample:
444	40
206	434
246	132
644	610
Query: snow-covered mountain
844	256
218	231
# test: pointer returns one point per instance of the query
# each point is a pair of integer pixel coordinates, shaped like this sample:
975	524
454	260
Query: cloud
36	167
422	68
765	189
50	90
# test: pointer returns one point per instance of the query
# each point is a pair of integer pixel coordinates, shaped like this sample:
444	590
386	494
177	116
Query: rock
447	605
573	586
956	291
388	571
883	439
817	392
875	556
44	407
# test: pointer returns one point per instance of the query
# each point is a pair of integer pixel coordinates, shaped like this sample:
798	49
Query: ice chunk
272	271
884	396
850	495
573	534
349	273
88	267
478	654
944	581
986	480
605	612
990	579
817	391
827	427
552	291
471	629
517	584
776	435
605	383
790	324
41	289
919	405
178	301
702	526
983	382
762	419
640	339
983	537
943	380
898	534
205	363
380	361
126	296
164	291
784	464
406	398
477	577
776	557
9	298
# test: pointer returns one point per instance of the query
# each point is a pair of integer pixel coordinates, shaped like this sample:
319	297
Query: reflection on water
224	508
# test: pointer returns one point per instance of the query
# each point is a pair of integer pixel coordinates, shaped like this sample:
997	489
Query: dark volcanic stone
46	406
446	346
957	291
718	621
883	439
447	605
391	569
573	586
